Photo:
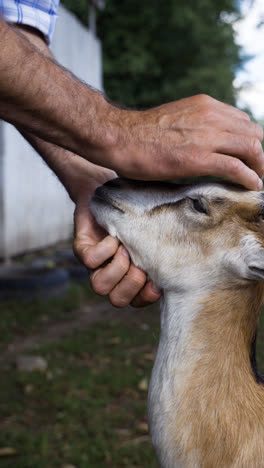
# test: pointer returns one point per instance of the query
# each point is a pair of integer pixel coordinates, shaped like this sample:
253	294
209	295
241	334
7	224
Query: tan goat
204	246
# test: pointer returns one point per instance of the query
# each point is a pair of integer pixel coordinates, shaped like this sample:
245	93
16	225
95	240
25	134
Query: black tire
64	259
27	282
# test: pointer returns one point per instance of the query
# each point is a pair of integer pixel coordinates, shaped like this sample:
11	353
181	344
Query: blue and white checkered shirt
40	14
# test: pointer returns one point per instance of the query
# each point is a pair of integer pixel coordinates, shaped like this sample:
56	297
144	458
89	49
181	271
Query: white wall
35	210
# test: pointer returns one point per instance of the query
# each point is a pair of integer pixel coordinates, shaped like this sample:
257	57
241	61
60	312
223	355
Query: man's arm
45	99
122	281
191	137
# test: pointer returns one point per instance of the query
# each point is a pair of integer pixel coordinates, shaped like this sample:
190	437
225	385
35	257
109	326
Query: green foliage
157	51
79	8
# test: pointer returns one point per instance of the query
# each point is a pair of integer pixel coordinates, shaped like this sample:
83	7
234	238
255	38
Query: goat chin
204	245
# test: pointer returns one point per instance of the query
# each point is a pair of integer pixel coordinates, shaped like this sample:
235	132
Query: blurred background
74	370
155	52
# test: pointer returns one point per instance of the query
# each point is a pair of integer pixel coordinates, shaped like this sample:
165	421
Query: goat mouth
259	272
106	201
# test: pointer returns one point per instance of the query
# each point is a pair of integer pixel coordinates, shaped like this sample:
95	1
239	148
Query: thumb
91	243
86	226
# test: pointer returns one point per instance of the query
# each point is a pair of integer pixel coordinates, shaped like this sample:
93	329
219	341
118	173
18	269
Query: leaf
7	452
143	427
143	384
149	356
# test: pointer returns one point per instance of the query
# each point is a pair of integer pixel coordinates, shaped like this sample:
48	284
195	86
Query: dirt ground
89	315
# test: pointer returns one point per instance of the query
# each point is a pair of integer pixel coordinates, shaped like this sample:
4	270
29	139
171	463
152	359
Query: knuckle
99	287
234	166
259	132
122	264
76	248
207	113
204	98
138	279
255	146
75	243
244	116
99	290
111	242
79	253
90	259
117	301
205	104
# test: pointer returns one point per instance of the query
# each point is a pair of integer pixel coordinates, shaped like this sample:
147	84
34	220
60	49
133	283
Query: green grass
23	318
88	409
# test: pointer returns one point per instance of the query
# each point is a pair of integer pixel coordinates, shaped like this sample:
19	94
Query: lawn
88	409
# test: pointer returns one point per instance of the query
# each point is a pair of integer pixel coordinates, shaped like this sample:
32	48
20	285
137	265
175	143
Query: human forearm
41	97
79	177
123	282
76	174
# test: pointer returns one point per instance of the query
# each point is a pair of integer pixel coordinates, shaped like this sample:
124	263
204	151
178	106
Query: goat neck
205	403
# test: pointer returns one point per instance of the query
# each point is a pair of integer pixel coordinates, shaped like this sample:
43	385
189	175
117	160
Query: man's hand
114	275
191	137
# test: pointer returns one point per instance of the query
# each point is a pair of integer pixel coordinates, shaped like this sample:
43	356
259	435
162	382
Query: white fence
35	210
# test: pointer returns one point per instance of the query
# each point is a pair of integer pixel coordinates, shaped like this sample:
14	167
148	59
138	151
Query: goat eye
199	206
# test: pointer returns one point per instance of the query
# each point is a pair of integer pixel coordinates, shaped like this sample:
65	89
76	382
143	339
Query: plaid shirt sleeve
40	14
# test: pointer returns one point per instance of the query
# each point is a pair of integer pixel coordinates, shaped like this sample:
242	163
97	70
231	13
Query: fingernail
155	288
124	252
260	184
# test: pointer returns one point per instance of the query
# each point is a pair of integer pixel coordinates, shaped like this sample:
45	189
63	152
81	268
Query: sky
251	39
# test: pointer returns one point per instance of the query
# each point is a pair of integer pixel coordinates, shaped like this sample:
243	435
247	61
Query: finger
148	295
94	256
105	279
220	165
246	148
128	288
85	224
238	126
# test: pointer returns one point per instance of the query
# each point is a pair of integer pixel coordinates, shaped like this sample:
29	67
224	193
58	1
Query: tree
156	51
79	8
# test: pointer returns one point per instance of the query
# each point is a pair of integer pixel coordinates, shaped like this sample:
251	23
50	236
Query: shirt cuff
40	14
